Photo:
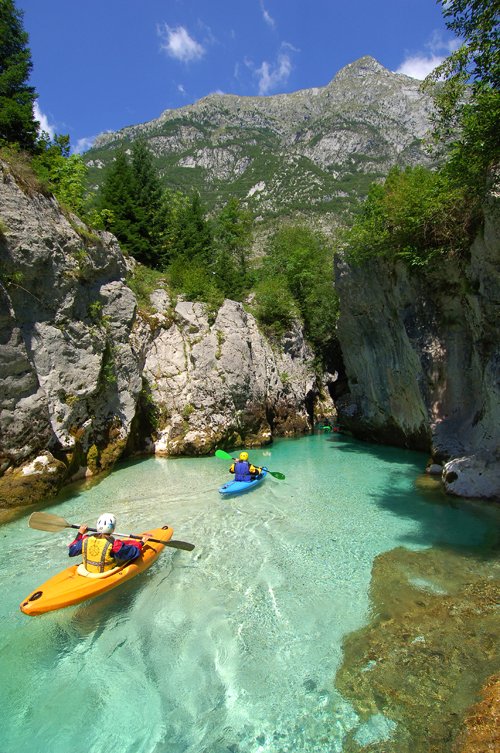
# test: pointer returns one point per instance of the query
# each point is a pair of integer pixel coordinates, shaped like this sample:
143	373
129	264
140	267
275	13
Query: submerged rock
482	724
431	644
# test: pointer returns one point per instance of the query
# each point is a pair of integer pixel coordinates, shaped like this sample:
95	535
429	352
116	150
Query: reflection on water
235	646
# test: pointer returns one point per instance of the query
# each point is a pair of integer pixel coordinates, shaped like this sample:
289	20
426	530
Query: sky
101	65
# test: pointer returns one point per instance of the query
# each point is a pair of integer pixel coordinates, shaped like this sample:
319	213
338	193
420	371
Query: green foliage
147	192
129	204
476	22
116	197
95	311
471	156
416	215
466	92
302	261
275	307
17	123
231	242
194	282
187	411
194	236
64	175
172	207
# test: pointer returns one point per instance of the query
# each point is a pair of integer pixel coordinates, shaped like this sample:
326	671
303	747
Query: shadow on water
345	444
468	525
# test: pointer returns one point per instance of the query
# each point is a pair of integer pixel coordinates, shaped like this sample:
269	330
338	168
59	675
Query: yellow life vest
96	552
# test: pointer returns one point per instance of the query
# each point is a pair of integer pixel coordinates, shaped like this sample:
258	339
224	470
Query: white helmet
106	523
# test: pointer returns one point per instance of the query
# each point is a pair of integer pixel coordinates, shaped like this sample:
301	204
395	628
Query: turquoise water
231	648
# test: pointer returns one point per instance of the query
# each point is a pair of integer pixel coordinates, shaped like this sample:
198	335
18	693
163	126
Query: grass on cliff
143	281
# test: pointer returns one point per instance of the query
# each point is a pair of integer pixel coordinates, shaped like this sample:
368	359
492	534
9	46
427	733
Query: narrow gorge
88	377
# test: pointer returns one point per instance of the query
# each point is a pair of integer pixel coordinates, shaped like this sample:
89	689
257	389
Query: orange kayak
69	587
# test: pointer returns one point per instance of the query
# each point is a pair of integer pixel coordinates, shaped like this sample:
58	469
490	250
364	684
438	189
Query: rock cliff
422	359
85	377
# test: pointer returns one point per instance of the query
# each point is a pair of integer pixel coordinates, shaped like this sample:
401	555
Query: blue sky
100	65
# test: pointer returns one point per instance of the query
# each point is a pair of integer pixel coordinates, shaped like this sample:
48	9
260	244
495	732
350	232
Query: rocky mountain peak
364	66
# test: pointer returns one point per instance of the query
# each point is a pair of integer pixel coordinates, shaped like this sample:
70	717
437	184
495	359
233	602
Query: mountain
312	151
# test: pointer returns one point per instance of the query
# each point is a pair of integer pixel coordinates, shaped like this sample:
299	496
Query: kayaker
102	552
243	470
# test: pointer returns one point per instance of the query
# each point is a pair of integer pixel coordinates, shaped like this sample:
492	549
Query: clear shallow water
231	648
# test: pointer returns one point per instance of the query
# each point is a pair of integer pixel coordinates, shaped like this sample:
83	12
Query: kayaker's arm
128	549
75	548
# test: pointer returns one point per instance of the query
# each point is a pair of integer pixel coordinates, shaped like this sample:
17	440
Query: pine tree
17	122
147	193
195	236
117	197
232	239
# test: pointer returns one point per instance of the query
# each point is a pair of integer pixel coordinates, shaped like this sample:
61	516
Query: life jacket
242	471
96	552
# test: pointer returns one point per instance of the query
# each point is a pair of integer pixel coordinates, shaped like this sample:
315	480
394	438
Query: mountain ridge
310	151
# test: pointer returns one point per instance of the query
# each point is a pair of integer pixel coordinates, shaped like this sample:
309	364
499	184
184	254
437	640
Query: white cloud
44	121
179	45
419	66
83	144
439	46
266	15
272	76
181	89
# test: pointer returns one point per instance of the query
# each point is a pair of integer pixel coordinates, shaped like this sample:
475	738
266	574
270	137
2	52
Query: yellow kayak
71	587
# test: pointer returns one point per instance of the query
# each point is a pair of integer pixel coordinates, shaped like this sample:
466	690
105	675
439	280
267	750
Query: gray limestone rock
422	356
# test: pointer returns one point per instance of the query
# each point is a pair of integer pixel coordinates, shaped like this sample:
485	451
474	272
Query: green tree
130	200
232	237
190	265
416	216
303	260
465	88
117	198
147	192
17	122
194	240
62	173
275	307
173	205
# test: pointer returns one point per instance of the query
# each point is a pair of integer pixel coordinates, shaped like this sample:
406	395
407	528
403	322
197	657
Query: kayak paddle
45	521
227	456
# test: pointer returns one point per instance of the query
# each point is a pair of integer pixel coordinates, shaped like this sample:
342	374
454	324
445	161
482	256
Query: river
233	647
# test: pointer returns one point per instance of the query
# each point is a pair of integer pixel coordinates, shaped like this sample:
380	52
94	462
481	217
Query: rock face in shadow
422	358
85	378
430	645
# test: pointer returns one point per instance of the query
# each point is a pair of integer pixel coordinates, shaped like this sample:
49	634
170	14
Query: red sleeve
79	537
119	543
